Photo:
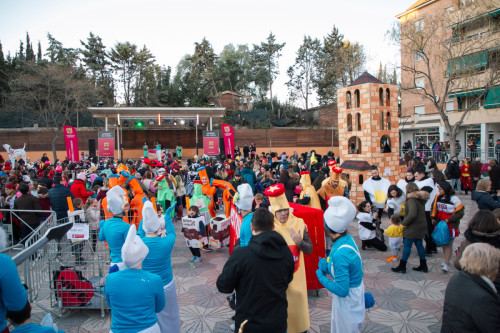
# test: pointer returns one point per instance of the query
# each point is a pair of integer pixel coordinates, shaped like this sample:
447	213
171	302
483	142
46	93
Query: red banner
313	218
106	143
228	134
71	142
211	143
234	227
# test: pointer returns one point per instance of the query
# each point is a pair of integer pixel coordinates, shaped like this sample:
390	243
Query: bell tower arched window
385	144
381	115
358	121
354	145
356	99
349	122
381	97
387	97
348	100
388	120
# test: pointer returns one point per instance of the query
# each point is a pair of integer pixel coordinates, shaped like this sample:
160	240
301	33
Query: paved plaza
409	302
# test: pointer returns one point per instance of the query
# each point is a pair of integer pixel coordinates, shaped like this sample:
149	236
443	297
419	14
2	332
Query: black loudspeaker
92	148
221	146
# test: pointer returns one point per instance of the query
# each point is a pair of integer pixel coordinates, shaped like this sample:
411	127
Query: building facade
458	63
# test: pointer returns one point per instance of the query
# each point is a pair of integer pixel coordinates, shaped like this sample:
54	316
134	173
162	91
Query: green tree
30	54
233	69
302	74
39	54
203	69
329	70
145	92
53	94
353	59
123	58
265	65
59	54
97	65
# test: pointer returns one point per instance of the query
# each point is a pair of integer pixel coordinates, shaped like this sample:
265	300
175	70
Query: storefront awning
466	93
496	12
493	98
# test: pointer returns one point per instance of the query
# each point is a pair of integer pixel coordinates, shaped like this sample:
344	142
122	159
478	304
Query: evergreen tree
394	78
39	53
329	69
203	69
384	75
145	92
379	75
234	69
123	58
20	55
302	74
30	54
59	54
265	64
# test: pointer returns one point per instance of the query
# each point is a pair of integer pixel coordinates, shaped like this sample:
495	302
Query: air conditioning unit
35	125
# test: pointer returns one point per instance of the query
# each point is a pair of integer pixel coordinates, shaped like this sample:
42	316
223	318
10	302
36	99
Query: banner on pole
228	134
71	142
106	143
211	143
234	228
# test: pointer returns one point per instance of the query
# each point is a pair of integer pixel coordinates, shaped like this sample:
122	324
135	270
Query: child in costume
193	213
395	233
367	227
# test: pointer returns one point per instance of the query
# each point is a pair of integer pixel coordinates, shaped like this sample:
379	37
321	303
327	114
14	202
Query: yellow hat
305	179
277	198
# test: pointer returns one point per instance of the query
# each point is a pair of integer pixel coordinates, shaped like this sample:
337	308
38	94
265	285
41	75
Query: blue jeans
407	243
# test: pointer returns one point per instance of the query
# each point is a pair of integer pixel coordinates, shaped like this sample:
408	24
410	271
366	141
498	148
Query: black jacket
28	202
470	305
485	201
46	181
260	274
453	170
57	195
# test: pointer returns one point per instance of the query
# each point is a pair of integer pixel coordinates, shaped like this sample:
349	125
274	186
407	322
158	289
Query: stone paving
410	302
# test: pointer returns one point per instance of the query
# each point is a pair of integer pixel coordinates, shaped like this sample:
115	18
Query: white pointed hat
245	197
115	200
150	221
133	250
339	214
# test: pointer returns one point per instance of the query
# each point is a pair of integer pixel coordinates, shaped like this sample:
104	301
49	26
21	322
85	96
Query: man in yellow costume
332	187
308	196
294	231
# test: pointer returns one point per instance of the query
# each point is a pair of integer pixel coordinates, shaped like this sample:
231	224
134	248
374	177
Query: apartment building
450	56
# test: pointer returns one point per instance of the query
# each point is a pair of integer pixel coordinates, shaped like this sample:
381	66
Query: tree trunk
55	135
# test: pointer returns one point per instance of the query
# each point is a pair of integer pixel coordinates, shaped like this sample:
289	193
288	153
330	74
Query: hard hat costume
298	310
308	189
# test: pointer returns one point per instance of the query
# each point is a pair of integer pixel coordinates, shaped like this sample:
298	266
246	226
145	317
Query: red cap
11	186
160	177
197	182
275	190
305	173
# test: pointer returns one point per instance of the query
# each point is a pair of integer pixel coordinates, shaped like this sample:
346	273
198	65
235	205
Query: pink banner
106	143
228	134
71	142
211	143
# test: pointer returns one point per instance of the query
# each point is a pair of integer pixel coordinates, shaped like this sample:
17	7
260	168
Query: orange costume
114	180
327	190
209	187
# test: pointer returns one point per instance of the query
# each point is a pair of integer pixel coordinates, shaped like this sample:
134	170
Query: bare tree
53	94
443	55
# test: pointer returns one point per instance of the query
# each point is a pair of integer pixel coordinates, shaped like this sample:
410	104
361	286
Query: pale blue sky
170	28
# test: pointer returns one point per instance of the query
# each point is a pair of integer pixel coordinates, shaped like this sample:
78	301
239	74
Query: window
419	25
349	123
450	106
358	121
354	145
381	120
473	102
449	9
388	120
420	82
419	109
387	97
385	144
381	97
356	99
360	179
419	56
348	100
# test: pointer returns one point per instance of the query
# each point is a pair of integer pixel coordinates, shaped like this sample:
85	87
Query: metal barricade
77	274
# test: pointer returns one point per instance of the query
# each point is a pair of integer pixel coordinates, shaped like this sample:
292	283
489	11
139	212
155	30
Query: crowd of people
124	200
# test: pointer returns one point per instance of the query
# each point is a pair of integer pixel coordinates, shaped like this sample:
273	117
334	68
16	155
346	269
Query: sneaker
445	268
197	260
391	258
192	259
206	249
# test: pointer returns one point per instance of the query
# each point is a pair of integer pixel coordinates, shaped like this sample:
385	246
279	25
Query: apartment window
449	106
470	102
419	25
419	109
420	82
419	56
449	9
465	3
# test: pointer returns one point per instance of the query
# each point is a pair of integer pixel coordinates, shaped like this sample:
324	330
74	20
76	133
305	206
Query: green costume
179	152
165	194
199	199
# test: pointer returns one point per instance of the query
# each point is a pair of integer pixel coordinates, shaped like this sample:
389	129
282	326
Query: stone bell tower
369	131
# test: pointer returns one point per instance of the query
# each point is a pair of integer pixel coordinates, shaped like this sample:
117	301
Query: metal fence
444	156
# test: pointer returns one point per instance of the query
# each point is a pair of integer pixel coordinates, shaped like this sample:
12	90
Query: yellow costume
307	188
296	294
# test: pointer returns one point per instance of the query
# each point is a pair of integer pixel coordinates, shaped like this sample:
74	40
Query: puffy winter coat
57	195
485	201
79	190
414	221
